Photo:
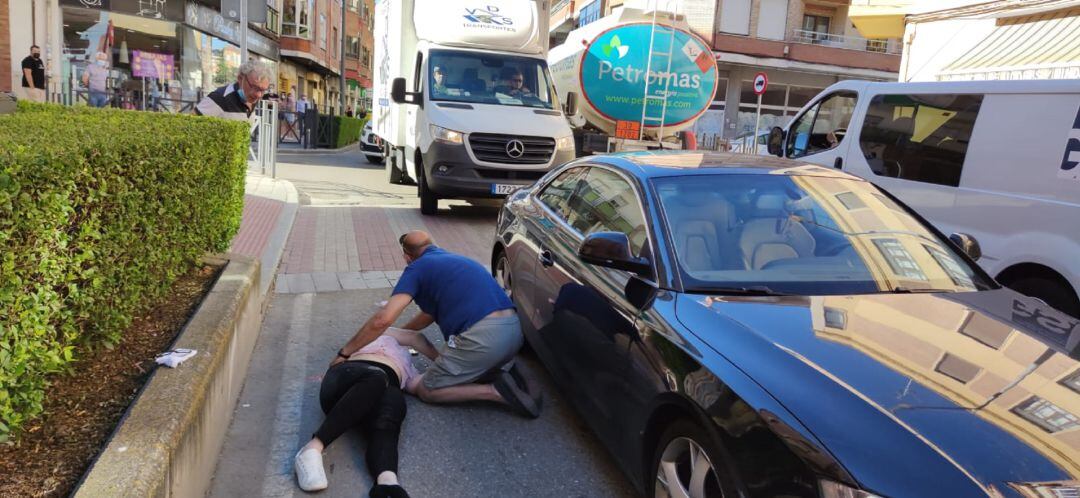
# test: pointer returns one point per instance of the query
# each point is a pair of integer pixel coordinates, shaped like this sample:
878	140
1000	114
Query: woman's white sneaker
309	470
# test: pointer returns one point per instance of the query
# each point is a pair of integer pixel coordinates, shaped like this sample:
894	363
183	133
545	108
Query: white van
994	159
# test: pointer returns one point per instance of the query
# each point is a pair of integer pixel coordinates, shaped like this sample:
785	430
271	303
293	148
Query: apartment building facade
963	40
803	46
311	50
359	47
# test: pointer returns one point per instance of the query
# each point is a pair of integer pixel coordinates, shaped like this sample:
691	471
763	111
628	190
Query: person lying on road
363	390
476	318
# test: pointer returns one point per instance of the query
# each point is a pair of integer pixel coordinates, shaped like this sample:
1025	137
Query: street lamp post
341	54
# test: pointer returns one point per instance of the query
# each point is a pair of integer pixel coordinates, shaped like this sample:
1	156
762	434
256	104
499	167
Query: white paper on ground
174	358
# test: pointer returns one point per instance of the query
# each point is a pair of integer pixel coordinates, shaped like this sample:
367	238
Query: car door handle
838	163
545	259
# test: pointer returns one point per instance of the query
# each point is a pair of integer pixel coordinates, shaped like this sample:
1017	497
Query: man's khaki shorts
488	344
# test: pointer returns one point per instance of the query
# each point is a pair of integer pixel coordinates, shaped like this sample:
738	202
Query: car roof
655	164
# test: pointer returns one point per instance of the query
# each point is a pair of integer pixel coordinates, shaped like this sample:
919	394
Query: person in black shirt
33	79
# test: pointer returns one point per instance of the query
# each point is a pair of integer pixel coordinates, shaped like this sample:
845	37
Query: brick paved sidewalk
269	210
345	248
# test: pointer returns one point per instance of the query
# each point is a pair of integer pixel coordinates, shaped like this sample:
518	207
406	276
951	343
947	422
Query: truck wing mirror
397	91
571	103
776	141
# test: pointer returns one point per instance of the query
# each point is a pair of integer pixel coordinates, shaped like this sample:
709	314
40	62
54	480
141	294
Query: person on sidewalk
33	77
363	391
94	78
237	100
476	318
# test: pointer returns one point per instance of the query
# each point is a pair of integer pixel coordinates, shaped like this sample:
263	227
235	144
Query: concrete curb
298	152
168	442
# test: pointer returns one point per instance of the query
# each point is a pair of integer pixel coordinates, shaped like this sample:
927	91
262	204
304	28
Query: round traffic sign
760	83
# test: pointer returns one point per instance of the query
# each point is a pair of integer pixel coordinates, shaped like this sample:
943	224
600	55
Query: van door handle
838	163
545	259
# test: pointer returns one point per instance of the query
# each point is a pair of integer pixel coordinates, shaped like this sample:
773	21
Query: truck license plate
498	189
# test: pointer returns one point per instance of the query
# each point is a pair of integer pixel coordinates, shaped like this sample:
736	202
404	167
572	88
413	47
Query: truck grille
492	148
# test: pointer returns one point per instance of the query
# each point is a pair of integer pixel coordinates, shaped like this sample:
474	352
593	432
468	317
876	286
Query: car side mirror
571	103
612	250
968	244
775	144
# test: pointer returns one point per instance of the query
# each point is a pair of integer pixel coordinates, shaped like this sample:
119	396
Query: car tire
671	464
374	159
1052	292
502	275
429	201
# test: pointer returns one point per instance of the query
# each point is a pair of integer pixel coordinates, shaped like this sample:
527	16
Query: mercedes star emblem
515	148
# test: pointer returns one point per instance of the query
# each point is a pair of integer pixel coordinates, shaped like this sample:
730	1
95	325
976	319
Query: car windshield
801	234
479	78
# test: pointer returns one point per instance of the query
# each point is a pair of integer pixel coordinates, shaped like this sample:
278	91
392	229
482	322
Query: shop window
922	138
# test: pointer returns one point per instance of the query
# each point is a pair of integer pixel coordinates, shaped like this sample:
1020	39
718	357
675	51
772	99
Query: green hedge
348	130
100	211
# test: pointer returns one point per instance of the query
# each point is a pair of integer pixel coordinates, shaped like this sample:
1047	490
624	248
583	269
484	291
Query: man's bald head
415	242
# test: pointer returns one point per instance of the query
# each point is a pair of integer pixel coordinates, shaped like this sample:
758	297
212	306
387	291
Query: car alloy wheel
502	274
685	471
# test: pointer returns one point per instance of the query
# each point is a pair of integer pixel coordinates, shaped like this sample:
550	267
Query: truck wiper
920	290
751	290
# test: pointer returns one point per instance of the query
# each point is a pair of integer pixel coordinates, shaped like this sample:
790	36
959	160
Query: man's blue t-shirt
454	289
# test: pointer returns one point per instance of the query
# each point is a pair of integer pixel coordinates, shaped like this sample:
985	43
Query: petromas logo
617	68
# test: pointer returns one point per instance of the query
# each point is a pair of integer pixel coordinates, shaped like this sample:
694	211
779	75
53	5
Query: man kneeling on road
476	318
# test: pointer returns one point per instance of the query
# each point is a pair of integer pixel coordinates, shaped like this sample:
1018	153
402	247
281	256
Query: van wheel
1052	292
374	159
687	463
429	202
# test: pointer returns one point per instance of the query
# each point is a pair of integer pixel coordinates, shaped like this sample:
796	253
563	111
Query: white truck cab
994	159
463	97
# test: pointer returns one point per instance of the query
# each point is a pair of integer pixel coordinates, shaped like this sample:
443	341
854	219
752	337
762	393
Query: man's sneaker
514	396
526	384
388	491
309	470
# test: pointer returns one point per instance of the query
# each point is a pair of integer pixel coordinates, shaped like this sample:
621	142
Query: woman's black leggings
364	394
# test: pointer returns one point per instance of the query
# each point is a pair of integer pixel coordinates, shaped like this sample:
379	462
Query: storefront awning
880	19
1043	46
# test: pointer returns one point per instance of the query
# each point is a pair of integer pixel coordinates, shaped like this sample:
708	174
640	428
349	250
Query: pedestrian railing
842	41
264	138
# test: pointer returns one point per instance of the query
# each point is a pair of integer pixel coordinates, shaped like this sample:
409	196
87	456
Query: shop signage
151	65
165	10
211	21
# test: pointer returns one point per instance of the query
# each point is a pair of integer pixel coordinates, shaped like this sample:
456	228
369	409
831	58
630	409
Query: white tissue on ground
172	359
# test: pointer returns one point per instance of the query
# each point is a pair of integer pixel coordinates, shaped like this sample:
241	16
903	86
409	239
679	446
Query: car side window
556	195
822	126
606	202
922	138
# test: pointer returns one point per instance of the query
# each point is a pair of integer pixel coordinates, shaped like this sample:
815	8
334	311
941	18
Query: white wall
929	47
772	19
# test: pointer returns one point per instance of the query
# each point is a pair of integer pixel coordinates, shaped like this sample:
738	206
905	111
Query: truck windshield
481	78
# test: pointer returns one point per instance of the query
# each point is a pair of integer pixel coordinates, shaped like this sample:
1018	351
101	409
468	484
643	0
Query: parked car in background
371	145
745	145
734	325
996	159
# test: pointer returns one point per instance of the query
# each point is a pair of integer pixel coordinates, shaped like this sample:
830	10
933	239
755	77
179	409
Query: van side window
822	126
922	138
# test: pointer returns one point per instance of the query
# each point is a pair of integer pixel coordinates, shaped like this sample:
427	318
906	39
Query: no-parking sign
761	82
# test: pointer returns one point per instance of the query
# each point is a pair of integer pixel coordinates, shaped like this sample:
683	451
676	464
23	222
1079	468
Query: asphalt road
474	450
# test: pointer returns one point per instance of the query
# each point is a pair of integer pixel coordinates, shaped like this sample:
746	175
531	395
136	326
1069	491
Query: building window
957	368
735	17
922	138
1048	416
899	259
322	31
589	13
354	5
334	45
296	18
1072	382
815	24
365	56
272	20
353	47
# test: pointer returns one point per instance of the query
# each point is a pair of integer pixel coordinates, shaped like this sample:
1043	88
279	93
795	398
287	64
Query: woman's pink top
394	354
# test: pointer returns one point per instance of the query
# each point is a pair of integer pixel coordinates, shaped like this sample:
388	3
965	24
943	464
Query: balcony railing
848	42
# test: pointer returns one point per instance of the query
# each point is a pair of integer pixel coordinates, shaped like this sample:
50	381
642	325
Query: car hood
951	394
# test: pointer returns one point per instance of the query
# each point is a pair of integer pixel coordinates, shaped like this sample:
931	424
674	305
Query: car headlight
833	489
565	142
444	135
